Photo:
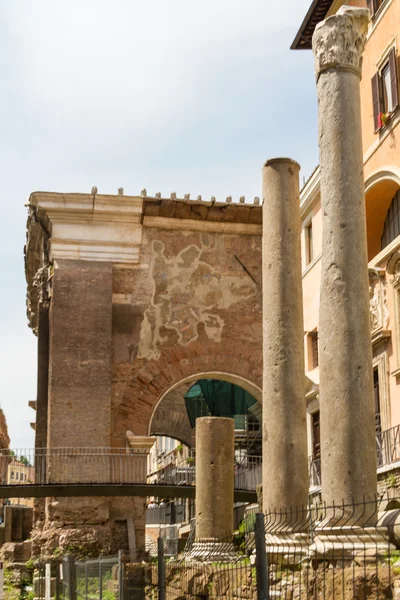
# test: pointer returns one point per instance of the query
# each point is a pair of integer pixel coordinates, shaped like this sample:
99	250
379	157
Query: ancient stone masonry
36	266
214	488
348	456
285	467
145	295
190	308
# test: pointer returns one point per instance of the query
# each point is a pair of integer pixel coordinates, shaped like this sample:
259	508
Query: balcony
387	453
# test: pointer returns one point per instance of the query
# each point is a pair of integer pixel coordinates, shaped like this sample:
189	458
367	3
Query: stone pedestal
348	453
285	465
214	488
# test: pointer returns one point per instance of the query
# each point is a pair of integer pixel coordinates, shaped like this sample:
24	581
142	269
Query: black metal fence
320	552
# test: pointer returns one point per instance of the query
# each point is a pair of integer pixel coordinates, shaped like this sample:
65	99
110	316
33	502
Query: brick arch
152	380
170	417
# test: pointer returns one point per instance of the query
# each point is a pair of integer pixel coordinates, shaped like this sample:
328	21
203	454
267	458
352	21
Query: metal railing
74	465
42	466
107	466
248	473
314	472
387	453
388	446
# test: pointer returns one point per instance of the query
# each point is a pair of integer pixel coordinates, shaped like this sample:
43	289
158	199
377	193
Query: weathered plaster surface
189	307
188	290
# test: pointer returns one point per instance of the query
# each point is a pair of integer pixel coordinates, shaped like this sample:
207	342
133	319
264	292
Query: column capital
338	41
140	443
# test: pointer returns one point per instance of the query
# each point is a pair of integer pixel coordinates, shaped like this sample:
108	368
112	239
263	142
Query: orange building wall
381	153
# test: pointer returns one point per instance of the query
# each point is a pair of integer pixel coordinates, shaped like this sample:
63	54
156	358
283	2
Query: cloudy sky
173	96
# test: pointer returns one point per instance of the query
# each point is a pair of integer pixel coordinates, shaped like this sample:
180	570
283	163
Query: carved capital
338	41
41	283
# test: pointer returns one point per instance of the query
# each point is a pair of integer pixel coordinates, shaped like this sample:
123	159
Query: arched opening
220	395
380	191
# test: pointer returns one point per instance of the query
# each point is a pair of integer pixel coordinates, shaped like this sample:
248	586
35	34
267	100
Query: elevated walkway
81	472
110	489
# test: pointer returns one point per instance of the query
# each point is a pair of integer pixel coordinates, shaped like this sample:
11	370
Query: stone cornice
90	226
93	227
338	42
206	226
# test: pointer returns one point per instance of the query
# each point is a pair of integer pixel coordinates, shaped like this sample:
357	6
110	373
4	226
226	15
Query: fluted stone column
348	452
214	487
285	465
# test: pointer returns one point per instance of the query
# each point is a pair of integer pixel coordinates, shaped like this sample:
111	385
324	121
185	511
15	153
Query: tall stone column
285	465
214	487
348	452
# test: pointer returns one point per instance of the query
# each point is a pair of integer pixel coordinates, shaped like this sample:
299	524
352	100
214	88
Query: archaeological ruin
267	329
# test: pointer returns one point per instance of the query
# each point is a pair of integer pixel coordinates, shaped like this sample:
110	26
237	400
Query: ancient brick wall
128	338
80	365
189	308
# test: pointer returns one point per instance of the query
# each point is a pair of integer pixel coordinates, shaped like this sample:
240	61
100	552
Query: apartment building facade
381	150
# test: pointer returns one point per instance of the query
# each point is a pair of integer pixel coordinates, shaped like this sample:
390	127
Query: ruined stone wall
121	336
80	366
187	309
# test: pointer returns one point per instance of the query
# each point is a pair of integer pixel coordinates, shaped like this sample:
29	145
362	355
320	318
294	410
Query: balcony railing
314	472
387	453
388	446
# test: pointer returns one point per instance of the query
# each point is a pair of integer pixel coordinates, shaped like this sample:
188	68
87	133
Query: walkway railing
43	466
74	465
56	466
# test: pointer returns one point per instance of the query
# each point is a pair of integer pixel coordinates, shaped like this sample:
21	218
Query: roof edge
302	41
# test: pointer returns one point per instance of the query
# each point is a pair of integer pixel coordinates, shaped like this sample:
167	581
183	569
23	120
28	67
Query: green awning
214	398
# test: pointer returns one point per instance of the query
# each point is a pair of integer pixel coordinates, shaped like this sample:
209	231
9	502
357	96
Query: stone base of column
333	543
212	551
350	543
287	548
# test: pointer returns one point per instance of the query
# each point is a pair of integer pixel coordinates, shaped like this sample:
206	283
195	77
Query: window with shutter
385	92
387	97
376	101
393	79
374	5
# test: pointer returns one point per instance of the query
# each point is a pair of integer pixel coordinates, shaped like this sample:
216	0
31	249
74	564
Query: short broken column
214	488
348	450
285	463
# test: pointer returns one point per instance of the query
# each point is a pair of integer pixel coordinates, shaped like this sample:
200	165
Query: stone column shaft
214	484
285	465
348	453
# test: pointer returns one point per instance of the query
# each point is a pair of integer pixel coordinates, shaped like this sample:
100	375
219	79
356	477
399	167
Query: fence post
57	594
161	568
262	575
86	581
71	576
1	580
121	576
47	581
100	579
